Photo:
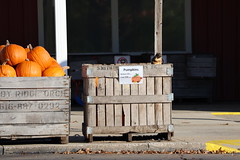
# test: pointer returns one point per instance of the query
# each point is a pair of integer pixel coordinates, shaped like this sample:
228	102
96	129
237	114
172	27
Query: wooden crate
35	107
114	108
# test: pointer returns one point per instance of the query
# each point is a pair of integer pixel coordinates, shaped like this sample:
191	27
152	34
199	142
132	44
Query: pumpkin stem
7	42
5	62
65	67
30	47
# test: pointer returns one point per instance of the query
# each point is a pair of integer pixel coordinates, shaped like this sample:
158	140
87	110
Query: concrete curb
110	147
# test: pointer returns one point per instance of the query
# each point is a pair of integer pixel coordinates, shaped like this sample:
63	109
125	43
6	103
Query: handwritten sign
130	74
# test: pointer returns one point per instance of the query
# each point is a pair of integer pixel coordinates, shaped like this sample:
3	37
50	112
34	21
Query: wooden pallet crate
114	108
35	107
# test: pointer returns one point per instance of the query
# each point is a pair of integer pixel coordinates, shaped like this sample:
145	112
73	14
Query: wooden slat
150	107
33	94
149	70
34	118
109	107
33	129
127	129
167	107
101	107
91	108
37	106
118	107
143	107
134	107
35	82
158	107
125	99
126	107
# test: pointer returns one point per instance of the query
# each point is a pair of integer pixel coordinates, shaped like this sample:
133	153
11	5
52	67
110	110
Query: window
120	26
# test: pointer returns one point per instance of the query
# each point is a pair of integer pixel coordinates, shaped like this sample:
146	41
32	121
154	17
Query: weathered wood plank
34	117
36	106
134	107
109	107
127	129
125	99
34	94
118	107
150	106
91	108
167	107
126	107
149	70
158	107
34	129
143	107
101	107
35	82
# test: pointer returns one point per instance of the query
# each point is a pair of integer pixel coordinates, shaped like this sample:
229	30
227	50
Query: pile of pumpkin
18	61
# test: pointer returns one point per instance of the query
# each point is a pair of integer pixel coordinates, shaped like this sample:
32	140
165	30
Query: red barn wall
19	23
216	30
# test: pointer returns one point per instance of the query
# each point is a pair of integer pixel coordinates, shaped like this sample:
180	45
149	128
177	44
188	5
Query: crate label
24	94
29	106
130	74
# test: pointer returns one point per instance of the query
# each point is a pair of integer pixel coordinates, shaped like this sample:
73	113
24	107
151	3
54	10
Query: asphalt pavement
197	127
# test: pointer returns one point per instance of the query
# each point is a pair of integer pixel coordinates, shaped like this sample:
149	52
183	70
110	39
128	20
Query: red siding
216	30
19	22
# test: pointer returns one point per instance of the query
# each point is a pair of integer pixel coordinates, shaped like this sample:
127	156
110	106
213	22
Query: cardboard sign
130	74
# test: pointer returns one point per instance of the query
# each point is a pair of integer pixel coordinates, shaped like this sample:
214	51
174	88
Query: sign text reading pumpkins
130	74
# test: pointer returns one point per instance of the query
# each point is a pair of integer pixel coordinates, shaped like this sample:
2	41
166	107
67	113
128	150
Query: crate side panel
111	71
34	129
34	118
34	94
34	106
35	82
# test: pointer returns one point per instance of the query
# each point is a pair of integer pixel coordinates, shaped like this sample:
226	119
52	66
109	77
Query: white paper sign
130	74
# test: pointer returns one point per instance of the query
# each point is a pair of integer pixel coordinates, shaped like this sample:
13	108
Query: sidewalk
195	129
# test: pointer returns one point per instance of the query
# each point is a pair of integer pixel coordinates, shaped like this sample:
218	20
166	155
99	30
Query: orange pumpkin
53	72
54	63
14	53
28	68
41	56
1	54
1	47
29	48
7	71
